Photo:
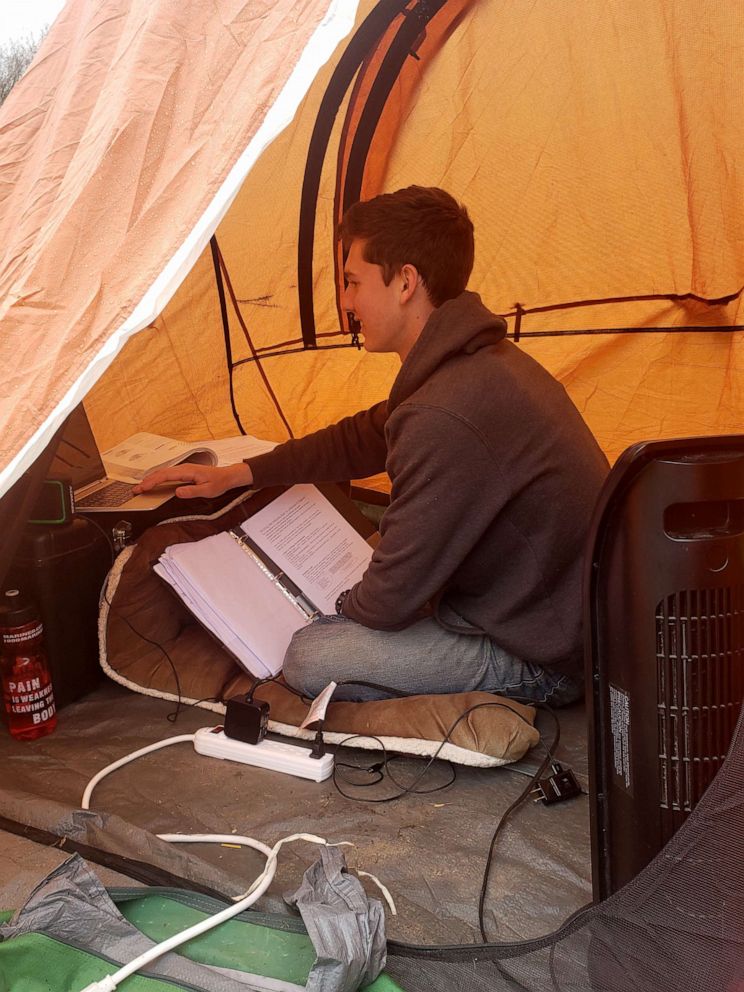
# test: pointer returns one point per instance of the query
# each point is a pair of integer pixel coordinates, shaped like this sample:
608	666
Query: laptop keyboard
114	494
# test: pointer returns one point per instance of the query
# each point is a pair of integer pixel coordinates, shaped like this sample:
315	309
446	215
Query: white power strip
291	759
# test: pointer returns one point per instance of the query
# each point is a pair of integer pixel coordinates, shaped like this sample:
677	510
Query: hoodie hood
461	325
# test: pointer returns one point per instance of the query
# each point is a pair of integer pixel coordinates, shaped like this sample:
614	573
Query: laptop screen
77	457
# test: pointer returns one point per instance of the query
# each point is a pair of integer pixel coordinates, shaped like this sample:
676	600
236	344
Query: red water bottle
28	697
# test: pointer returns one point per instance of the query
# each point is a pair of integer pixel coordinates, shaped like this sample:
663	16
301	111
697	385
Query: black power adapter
558	787
246	719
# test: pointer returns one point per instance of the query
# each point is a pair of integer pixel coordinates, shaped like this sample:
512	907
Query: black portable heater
664	609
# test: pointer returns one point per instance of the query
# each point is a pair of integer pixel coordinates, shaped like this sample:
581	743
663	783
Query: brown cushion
152	644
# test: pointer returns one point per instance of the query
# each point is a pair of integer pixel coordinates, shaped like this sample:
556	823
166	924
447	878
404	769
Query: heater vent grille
699	655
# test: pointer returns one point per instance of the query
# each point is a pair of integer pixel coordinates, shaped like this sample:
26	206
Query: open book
255	585
132	459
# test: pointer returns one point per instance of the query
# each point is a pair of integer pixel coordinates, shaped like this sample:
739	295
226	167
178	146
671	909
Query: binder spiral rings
272	571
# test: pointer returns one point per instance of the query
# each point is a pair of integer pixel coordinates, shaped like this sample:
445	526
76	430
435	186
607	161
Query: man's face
375	305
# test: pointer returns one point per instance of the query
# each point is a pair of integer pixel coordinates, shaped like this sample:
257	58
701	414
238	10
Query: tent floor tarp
429	849
24	862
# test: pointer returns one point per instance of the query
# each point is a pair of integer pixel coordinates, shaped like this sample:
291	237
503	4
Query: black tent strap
521	310
681	329
225	326
411	27
361	45
292	351
278	346
223	274
493	950
140	871
276	351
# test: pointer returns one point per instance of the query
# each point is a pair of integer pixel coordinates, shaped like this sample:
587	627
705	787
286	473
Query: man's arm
353	448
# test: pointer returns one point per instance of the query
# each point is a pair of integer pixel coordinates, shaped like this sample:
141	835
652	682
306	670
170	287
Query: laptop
78	460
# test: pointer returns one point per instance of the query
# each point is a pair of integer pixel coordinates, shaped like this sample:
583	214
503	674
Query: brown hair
421	226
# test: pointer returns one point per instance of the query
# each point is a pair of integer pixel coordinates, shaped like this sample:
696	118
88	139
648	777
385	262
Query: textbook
132	459
253	586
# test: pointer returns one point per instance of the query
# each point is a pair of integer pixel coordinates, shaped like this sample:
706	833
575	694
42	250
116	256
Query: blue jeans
423	658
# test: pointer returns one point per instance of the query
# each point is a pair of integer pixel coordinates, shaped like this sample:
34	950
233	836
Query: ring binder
255	585
277	576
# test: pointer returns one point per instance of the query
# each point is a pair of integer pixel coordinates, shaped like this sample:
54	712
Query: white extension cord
110	982
291	759
85	801
277	756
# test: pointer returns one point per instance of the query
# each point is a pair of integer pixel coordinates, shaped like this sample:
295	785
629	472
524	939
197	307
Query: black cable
105	534
549	751
422	792
383	768
171	717
404	790
412	788
499	826
180	704
374	769
258	682
433	757
545	708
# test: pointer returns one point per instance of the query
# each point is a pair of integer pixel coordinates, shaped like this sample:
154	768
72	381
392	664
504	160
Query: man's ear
410	280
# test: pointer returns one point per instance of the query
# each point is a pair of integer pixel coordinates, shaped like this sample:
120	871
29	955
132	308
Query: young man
476	581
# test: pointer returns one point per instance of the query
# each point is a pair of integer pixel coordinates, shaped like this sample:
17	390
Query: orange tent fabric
597	148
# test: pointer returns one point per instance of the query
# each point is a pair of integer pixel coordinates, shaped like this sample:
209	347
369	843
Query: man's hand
198	480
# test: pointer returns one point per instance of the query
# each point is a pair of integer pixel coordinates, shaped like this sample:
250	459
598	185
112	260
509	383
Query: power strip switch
290	759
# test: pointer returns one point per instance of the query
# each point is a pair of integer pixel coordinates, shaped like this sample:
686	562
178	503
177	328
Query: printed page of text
308	539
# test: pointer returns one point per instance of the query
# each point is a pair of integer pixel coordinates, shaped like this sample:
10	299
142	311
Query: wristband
341	600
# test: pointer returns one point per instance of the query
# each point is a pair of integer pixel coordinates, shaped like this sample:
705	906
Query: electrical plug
106	984
558	787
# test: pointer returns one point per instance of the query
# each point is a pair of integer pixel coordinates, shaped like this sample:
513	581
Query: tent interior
171	180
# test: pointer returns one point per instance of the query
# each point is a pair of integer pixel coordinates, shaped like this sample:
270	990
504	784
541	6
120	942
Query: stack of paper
253	596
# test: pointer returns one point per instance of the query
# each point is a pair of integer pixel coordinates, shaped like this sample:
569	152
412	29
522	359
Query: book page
312	543
132	459
230	450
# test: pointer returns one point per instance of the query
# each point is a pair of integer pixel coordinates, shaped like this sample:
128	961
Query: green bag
251	944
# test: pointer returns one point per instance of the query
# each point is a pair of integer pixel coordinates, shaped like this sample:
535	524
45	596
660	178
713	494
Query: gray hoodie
494	478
